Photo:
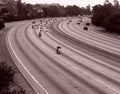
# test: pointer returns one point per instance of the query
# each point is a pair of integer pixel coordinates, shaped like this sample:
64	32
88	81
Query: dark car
87	24
2	24
80	20
70	20
85	28
68	23
78	23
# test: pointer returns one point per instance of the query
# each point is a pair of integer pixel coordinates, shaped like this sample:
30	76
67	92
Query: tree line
107	16
30	11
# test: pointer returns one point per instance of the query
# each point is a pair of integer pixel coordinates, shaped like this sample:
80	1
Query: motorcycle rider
58	50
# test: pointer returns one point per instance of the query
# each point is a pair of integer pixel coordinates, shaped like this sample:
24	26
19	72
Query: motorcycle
40	34
58	50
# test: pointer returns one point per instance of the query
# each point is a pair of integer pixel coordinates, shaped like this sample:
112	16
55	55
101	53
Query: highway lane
110	58
91	32
89	49
101	62
50	42
15	57
90	39
102	53
79	64
86	56
79	78
72	72
48	78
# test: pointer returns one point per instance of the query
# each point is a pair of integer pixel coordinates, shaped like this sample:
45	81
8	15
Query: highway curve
88	63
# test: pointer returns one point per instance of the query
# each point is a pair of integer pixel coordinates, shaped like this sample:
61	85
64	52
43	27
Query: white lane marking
26	69
96	43
84	54
76	68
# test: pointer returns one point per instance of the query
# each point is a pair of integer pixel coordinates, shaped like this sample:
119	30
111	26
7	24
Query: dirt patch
5	57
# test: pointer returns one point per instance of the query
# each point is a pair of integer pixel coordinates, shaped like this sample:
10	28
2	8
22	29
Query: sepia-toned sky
81	3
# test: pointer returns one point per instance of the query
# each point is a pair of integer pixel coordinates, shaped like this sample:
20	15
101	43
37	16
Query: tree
3	11
51	11
22	12
113	24
116	4
19	7
29	8
69	11
7	83
106	2
108	16
88	11
6	76
10	7
62	11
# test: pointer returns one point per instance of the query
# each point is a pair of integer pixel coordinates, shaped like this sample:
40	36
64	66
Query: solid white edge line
7	39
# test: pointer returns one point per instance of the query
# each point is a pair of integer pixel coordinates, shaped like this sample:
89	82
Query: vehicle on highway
2	24
70	20
78	23
68	23
33	24
58	50
87	24
46	29
85	28
40	34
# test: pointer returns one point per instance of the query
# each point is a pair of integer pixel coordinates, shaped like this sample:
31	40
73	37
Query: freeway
88	63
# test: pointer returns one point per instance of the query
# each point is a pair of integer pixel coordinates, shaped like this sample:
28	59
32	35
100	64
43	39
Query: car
2	24
87	24
33	22
85	28
70	20
78	23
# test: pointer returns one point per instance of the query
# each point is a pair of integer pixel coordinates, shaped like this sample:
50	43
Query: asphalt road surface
89	62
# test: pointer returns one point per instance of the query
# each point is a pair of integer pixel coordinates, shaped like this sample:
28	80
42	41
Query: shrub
113	24
9	18
99	19
7	83
2	24
6	76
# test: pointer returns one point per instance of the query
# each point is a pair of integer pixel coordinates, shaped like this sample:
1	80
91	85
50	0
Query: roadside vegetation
107	16
25	11
7	83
